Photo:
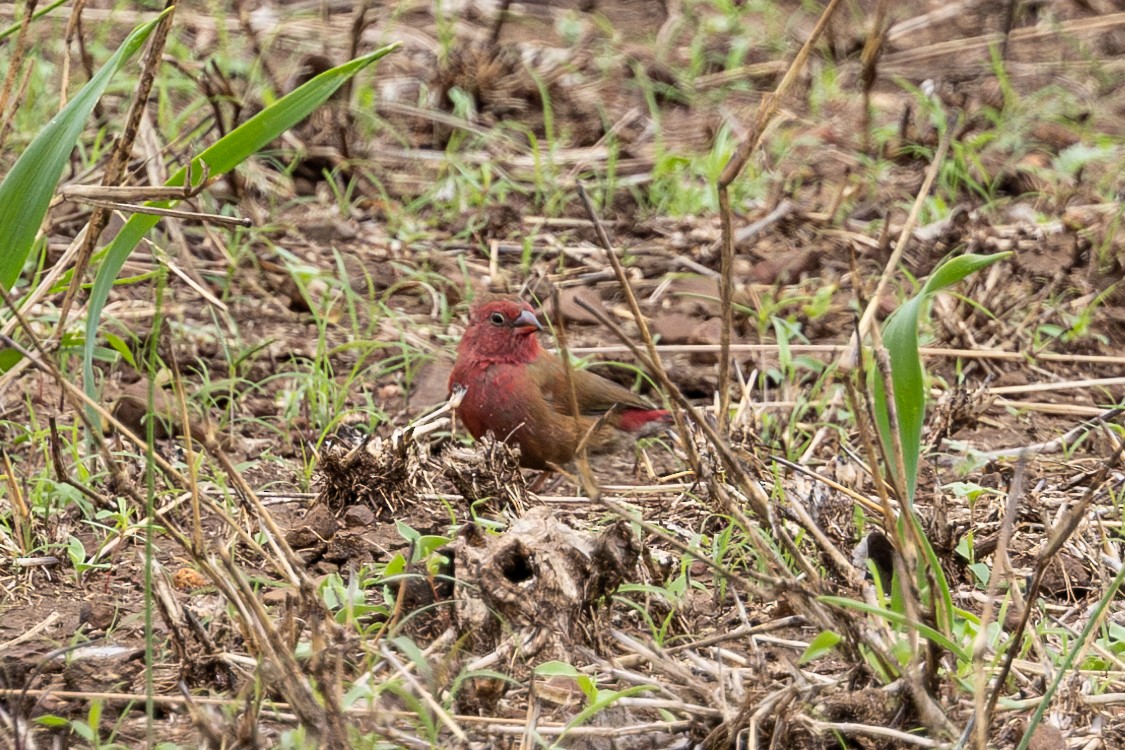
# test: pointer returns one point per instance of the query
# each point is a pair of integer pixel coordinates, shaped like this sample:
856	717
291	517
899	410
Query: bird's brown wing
596	395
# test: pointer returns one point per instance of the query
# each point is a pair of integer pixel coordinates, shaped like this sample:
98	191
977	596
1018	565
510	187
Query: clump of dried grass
385	474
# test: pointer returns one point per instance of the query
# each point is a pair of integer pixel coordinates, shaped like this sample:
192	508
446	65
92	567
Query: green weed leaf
556	669
821	645
219	158
52	721
27	189
900	336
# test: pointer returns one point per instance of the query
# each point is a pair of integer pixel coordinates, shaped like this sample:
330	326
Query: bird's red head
502	330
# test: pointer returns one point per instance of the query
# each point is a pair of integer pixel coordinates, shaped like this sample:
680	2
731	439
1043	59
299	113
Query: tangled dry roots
487	475
383	474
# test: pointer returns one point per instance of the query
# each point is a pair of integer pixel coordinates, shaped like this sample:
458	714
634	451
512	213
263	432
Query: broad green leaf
821	645
52	721
428	543
982	572
600	701
219	158
929	571
121	348
83	730
900	336
410	649
556	669
8	359
406	531
27	189
395	566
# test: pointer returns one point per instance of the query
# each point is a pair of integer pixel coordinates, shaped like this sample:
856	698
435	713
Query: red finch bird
517	391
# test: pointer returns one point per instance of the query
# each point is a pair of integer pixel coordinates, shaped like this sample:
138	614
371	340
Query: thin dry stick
359	23
899	738
1069	410
85	56
869	59
126	193
906	553
292	682
279	709
77	397
1008	390
753	492
1009	22
843	566
751	231
80	401
911	542
838	349
750	489
20	512
174	213
862	409
260	54
423	693
867	503
291	565
189	451
1060	443
117	162
904	236
652	361
766	111
31	632
498	23
582	456
21	94
1002	574
71	28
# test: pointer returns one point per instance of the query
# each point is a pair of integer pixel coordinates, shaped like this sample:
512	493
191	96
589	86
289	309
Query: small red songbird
517	391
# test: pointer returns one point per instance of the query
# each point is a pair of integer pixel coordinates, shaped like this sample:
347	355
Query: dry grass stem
118	160
836	350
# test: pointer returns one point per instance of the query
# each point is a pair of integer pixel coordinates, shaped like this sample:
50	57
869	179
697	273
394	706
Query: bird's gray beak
527	322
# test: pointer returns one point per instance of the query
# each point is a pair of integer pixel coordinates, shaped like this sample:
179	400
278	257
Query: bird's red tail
644	421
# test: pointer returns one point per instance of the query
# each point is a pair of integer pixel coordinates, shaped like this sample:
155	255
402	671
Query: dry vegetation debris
333	563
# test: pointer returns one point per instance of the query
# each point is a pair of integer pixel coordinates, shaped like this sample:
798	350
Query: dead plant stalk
117	161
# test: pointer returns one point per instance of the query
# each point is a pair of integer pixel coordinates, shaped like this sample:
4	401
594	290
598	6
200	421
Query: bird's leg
540	480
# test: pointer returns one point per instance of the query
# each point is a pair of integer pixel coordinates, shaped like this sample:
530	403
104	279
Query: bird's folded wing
596	395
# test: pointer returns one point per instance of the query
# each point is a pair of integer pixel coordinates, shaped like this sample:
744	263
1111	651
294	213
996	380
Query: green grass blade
34	16
27	189
900	620
221	157
900	336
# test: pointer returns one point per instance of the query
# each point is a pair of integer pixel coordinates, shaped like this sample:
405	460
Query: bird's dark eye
497	319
